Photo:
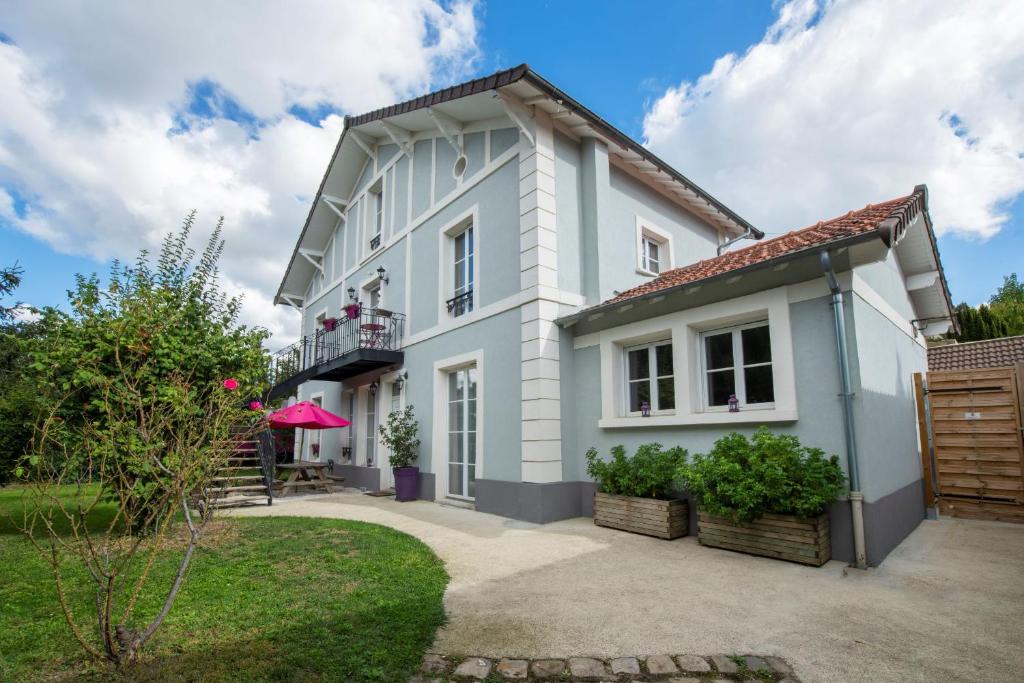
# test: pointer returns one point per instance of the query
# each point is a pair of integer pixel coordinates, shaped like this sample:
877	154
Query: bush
743	479
650	473
399	435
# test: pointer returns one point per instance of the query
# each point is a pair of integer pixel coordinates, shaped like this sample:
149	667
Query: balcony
370	341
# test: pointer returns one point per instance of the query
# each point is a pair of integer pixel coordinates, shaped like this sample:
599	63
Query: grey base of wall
358	476
368	478
887	521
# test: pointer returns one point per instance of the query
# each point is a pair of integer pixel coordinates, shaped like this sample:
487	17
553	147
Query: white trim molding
684	329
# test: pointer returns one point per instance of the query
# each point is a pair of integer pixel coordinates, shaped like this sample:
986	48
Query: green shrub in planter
742	479
650	473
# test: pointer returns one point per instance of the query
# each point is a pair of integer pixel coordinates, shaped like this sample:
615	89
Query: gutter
729	242
856	495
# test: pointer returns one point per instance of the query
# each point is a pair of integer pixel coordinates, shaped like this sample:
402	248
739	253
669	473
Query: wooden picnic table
305	474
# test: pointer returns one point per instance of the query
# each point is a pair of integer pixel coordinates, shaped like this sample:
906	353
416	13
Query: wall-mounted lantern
382	275
400	380
374	386
351	293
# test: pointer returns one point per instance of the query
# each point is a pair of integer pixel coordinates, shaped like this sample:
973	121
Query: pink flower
255	405
230	384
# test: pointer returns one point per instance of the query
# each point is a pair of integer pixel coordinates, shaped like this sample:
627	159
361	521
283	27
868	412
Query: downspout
856	496
726	244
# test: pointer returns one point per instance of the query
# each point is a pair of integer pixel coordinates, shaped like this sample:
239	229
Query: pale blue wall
568	213
886	278
498	336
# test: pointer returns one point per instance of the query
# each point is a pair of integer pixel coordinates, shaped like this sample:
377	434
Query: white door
314	439
462	433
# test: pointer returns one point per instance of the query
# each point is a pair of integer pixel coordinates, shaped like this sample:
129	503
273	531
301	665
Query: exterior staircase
247	474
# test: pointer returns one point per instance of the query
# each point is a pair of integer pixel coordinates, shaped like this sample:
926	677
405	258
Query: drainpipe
726	244
856	496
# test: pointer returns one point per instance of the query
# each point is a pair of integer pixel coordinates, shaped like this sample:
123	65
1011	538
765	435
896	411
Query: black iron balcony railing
372	329
374	242
463	303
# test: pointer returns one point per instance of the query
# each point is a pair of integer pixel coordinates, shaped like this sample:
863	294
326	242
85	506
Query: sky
116	119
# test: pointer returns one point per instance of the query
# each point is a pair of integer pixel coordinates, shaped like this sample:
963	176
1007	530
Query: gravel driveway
946	605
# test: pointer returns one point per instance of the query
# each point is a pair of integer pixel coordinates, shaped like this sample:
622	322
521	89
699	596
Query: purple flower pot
406	483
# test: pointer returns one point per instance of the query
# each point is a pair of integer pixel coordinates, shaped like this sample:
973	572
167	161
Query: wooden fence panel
974	419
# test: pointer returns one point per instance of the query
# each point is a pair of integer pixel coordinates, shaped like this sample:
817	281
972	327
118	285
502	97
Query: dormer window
653	249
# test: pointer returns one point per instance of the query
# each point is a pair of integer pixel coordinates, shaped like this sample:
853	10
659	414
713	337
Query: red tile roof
991	353
894	214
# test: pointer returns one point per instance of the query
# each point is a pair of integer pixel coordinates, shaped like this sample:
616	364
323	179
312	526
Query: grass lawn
286	599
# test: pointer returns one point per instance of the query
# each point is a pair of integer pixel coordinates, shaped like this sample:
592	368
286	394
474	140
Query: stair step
226	489
233	501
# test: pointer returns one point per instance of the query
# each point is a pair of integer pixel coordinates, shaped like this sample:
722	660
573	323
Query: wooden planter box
661	518
783	537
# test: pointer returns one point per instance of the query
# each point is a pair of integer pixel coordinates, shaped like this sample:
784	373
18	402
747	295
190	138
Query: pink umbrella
306	415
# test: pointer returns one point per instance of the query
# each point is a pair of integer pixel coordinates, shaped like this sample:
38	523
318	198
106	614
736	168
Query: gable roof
886	220
530	90
990	353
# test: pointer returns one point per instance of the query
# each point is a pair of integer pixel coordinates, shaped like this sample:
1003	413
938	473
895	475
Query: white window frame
738	366
652	380
307	455
446	252
439	438
375	215
368	287
646	231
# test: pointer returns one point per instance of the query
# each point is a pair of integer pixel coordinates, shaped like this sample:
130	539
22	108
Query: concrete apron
945	605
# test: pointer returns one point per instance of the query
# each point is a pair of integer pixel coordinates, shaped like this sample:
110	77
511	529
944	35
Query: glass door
462	433
371	427
315	434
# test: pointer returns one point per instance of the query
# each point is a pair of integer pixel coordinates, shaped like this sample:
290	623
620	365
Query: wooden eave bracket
519	114
335	204
400	136
314	257
293	300
367	143
450	128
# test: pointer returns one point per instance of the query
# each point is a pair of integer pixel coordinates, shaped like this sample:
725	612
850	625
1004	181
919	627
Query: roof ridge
958	345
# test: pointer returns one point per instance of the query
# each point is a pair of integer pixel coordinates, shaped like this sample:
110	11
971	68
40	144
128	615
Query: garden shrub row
740	478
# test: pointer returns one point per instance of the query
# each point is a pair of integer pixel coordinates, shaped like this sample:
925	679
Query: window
462	273
373	296
738	362
650	257
348	411
653	249
462	432
371	427
376	215
650	378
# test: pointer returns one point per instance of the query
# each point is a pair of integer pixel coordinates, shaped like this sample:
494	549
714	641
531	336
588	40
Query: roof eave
844	242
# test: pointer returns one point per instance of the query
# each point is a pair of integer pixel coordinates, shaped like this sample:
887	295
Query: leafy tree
979	323
1008	304
18	400
742	479
139	383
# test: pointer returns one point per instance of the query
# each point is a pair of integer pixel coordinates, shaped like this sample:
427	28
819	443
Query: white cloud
848	103
94	98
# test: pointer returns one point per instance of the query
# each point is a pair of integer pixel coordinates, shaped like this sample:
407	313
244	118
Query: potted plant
767	495
352	311
330	324
637	494
399	435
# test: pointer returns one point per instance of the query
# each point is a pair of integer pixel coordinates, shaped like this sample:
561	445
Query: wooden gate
972	451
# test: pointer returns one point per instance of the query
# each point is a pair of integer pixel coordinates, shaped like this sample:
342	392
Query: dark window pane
664	359
666	394
472	482
760	388
456	443
721	385
757	347
638	393
718	351
639	364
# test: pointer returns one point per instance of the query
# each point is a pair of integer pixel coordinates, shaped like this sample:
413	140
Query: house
533	281
989	353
